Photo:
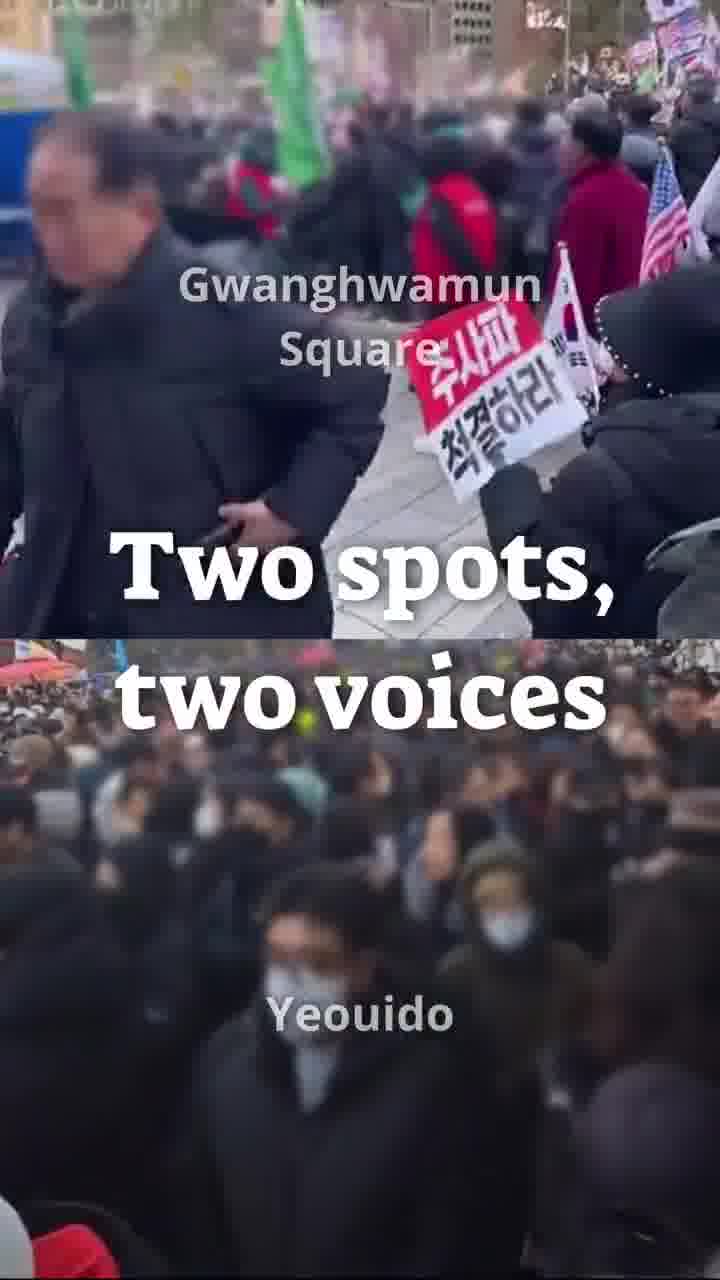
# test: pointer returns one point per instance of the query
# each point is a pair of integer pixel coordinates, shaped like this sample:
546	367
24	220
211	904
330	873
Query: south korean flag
565	329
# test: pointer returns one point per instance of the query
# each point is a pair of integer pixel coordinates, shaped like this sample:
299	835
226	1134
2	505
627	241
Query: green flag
302	155
79	80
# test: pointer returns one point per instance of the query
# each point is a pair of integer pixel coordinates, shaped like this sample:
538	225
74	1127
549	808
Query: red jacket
476	216
249	190
603	225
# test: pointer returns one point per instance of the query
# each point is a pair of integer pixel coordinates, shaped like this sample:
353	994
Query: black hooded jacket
72	1050
222	888
374	1181
695	144
649	472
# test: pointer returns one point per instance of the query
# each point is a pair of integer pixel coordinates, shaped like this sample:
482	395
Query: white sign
523	409
664	10
492	391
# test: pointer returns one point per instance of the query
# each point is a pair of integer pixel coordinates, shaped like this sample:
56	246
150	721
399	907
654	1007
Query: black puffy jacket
145	412
650	471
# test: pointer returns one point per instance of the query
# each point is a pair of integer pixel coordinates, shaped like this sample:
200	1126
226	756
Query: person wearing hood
23	843
695	135
455	232
537	187
171	817
73	1046
431	880
139	888
123	798
250	185
137	881
329	1152
244	841
533	149
684	731
524	988
581	848
523	994
649	467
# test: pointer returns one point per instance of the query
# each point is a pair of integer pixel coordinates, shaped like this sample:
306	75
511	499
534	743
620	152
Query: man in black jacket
695	136
640	147
649	471
127	408
336	1153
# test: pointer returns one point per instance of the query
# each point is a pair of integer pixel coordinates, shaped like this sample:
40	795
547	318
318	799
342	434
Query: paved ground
404	500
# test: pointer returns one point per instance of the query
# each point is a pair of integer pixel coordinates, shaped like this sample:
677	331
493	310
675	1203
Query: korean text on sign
494	393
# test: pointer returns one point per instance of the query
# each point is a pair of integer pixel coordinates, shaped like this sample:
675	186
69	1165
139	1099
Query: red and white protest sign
491	388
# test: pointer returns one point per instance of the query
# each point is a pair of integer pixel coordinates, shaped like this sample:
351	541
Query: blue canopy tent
31	87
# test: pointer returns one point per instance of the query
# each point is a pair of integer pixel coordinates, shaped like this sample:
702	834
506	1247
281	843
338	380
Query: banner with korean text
492	390
665	10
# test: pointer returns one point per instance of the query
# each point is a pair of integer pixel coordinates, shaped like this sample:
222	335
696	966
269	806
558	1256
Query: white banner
507	436
493	393
664	10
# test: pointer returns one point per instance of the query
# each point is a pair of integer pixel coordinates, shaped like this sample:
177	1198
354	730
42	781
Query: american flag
668	228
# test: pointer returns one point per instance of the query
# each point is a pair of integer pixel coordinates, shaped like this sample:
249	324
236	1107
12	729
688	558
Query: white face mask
207	821
509	930
301	987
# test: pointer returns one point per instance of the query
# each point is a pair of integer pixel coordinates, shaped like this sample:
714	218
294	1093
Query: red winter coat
603	225
474	213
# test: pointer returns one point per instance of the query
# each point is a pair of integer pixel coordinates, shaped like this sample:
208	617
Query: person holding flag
649	469
667	233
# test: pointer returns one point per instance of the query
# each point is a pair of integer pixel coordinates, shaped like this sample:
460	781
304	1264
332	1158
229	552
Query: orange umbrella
46	670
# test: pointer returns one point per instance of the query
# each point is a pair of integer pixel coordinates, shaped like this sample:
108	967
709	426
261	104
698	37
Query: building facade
25	25
490	33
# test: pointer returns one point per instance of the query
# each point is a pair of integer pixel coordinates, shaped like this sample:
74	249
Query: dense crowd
557	892
224	440
393	167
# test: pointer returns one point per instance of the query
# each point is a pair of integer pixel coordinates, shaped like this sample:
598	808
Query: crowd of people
394	168
220	442
163	893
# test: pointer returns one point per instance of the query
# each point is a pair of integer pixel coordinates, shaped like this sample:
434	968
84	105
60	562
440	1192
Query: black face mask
583	828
